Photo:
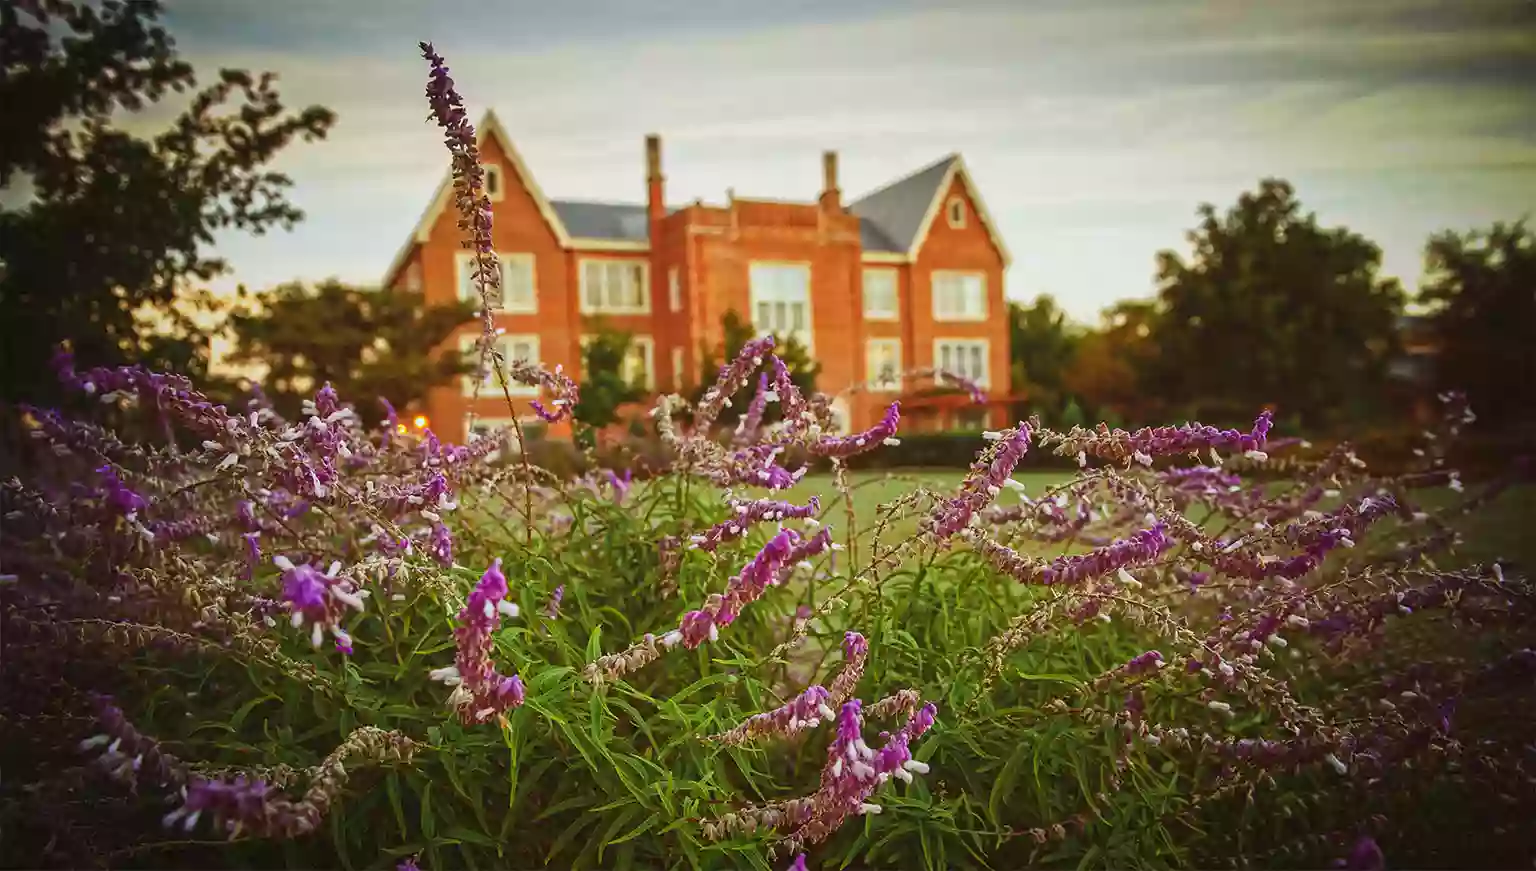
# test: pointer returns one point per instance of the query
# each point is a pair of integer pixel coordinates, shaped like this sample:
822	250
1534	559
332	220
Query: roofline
894	182
958	170
490	126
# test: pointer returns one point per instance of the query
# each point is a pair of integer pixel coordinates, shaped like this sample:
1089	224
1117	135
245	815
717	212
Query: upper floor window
880	302
956	209
518	293
413	278
959	296
677	369
964	357
781	300
615	287
674	290
493	182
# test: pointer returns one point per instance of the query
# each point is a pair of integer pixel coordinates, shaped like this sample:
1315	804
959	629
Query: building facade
907	277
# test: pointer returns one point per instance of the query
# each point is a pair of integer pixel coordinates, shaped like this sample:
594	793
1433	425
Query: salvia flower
746	512
855	653
985	480
480	692
320	599
803	712
733	377
117	494
552	610
1148	442
777	558
1366	855
858	443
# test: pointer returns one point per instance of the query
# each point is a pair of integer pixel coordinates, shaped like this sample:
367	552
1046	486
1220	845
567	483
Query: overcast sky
1093	127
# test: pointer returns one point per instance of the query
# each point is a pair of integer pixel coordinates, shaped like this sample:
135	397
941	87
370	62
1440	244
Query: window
674	290
518	293
841	421
959	296
882	362
677	369
964	357
781	300
956	209
493	188
513	349
615	287
880	295
413	278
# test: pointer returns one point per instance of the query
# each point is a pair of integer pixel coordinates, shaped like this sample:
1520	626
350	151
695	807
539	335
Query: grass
1501	532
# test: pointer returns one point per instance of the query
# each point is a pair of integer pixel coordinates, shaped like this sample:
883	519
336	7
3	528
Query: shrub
301	643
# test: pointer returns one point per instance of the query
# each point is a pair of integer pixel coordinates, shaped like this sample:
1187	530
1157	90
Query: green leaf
1003	784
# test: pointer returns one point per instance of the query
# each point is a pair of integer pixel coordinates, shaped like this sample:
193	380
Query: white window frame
955	211
674	290
492	387
491	169
464	272
958	344
758	294
603	308
944	309
872	370
875	313
677	368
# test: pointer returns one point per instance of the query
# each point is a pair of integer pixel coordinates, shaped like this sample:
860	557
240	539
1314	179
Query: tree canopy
366	343
1273	309
605	386
117	222
1480	288
1043	342
803	370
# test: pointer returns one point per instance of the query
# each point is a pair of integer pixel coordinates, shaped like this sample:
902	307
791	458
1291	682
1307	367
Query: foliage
737	332
364	342
1108	364
1273	309
117	224
1481	290
1043	344
604	387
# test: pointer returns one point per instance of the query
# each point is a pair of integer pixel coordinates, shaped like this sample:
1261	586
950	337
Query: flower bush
302	643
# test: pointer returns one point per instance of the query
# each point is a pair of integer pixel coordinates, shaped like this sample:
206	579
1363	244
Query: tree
118	224
604	386
366	343
1043	342
1107	366
1273	309
803	371
1481	291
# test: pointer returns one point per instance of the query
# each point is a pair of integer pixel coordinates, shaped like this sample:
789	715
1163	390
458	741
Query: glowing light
420	421
400	428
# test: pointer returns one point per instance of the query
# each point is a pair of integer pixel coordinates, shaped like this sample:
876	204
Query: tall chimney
656	208
831	197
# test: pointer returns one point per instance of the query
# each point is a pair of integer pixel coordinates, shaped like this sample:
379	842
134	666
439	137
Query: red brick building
908	276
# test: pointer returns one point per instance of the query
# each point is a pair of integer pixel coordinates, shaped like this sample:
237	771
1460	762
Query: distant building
1414	368
906	277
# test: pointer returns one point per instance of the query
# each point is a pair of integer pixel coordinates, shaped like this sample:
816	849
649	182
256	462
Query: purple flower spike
858	443
123	500
1366	856
798	864
480	692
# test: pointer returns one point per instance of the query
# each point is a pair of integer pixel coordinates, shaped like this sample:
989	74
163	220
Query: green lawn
1502	531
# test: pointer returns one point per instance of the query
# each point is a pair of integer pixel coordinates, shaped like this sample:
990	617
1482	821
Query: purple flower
480	692
847	446
123	500
321	599
408	864
798	864
753	511
552	610
442	544
1365	856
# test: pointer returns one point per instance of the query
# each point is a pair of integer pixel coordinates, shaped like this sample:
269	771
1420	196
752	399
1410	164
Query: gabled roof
489	126
896	218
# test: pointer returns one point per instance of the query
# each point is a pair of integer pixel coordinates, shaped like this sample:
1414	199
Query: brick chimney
655	199
831	197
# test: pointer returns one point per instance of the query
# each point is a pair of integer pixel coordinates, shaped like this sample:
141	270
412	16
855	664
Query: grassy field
1502	531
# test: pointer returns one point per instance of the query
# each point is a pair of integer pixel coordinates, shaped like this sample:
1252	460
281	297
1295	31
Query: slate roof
616	221
891	217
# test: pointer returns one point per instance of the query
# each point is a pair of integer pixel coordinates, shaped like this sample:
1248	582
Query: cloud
1094	128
